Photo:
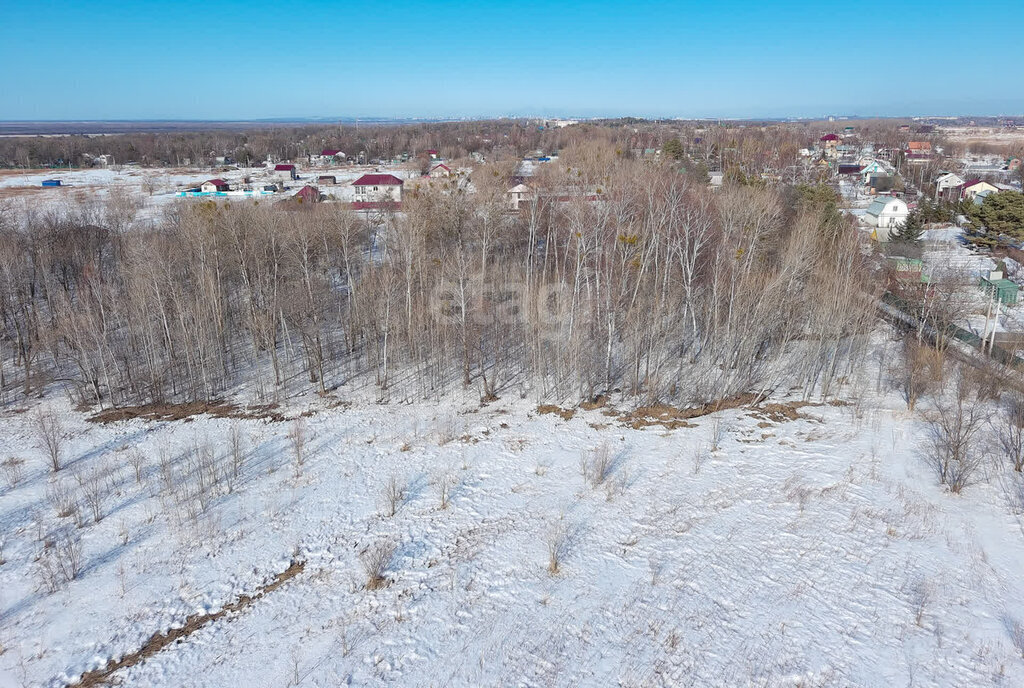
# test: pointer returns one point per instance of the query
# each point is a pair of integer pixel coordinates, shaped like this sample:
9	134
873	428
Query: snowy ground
811	552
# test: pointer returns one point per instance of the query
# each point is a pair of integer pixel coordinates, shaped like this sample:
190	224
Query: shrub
376	559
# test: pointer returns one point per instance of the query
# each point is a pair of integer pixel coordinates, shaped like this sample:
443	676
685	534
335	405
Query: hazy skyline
233	60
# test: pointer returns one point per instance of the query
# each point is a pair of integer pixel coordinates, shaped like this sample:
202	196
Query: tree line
617	275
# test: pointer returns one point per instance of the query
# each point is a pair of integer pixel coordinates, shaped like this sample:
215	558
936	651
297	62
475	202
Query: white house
885	214
520	193
214	185
286	171
948	183
378	188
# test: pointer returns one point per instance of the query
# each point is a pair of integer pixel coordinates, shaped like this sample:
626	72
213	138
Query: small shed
1004	290
51	182
327	179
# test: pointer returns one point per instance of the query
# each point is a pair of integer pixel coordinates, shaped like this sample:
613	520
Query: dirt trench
158	641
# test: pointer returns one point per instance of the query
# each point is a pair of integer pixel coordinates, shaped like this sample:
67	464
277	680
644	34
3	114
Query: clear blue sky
727	58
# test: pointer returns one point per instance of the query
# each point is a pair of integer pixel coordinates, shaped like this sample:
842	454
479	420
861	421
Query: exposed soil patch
159	641
672	418
217	409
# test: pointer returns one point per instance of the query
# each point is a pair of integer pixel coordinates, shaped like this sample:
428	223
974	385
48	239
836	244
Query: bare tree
392	496
1010	431
50	435
297	436
956	450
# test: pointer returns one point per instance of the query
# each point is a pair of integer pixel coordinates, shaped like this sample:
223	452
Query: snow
815	551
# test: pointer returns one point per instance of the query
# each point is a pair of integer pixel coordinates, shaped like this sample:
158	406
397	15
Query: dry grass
563	413
164	411
671	417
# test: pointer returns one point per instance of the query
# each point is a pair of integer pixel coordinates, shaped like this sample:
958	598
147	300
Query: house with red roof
829	142
214	185
378	188
973	187
440	170
286	170
307	194
919	150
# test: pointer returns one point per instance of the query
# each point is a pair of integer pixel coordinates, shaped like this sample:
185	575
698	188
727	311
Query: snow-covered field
809	551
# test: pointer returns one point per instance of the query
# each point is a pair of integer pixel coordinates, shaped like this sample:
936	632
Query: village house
519	194
872	169
308	194
886	213
829	144
214	185
973	187
948	186
440	170
378	188
286	171
919	151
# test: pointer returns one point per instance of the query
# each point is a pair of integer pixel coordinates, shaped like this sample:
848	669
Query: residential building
440	170
948	186
919	151
973	187
286	171
829	143
378	188
519	194
308	194
214	185
885	214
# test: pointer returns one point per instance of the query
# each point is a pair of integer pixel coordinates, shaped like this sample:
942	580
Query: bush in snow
596	465
60	559
557	542
14	470
376	559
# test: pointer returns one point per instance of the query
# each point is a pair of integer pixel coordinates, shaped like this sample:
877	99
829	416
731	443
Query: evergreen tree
911	231
673	149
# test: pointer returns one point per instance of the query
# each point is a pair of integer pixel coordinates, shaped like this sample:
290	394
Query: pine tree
911	231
